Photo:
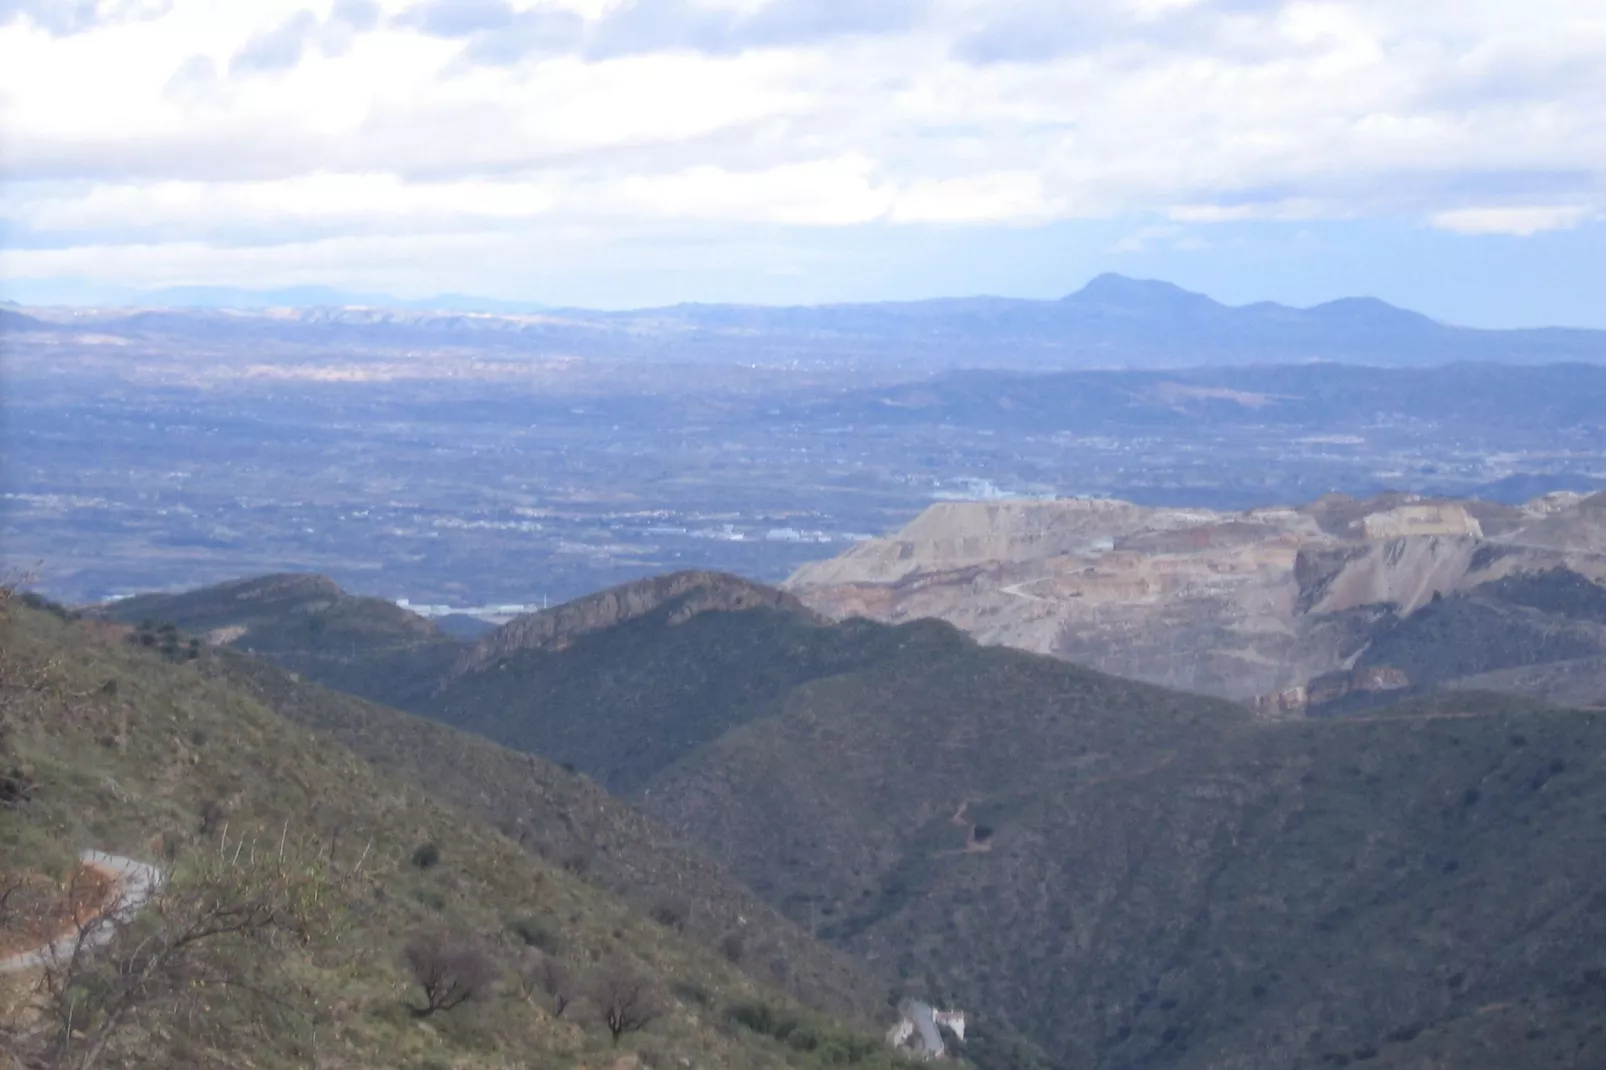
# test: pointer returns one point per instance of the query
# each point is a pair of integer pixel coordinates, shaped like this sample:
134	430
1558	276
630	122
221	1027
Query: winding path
129	884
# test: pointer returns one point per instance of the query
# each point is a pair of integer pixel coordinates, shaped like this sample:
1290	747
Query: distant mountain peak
1110	290
1114	284
1370	312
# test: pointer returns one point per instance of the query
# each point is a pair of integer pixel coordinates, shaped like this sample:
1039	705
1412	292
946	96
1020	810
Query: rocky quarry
1288	608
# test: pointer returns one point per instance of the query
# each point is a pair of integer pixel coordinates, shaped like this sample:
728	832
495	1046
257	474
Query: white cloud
1522	222
322	198
1141	239
148	133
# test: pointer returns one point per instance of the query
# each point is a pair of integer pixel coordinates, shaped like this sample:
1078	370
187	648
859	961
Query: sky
1446	155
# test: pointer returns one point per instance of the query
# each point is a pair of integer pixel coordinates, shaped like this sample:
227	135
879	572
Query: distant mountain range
1113	321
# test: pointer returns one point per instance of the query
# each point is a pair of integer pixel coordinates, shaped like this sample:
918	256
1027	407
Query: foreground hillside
1275	605
1132	877
566	818
338	879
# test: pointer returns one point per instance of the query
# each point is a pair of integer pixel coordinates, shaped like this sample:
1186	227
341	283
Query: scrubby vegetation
1132	877
568	821
302	852
306	624
822	1043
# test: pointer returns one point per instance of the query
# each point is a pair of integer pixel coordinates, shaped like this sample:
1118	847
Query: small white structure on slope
919	1030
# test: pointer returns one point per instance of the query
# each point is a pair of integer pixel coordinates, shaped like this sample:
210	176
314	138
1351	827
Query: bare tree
548	979
451	970
626	998
201	952
13	892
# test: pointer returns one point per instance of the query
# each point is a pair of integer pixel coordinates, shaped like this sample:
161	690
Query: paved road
132	883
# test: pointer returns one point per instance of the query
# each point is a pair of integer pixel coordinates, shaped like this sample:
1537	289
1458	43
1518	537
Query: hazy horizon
315	295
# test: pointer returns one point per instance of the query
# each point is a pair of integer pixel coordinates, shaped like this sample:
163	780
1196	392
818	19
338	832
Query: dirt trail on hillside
105	889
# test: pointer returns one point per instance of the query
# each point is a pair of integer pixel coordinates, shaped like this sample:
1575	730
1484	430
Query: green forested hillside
567	819
1421	889
308	625
624	703
1130	876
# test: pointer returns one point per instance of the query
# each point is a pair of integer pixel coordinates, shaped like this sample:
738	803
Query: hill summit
692	592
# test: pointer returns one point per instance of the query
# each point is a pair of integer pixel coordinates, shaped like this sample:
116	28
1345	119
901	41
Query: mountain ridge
1135	877
558	627
1113	321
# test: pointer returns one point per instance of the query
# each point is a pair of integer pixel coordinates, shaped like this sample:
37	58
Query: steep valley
1130	876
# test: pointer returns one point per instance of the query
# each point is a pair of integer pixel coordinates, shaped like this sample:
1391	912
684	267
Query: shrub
691	992
450	970
425	856
430	898
625	997
549	979
535	932
17	785
671	911
762	1018
827	1044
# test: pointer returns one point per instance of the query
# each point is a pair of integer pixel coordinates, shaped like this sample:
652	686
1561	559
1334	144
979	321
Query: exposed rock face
556	628
1252	605
1432	518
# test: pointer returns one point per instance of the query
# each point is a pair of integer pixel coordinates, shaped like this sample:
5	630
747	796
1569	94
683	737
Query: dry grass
137	755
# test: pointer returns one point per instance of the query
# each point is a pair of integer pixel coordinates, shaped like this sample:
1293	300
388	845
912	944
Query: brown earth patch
48	913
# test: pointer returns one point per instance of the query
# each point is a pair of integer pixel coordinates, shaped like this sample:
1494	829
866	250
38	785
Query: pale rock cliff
1252	605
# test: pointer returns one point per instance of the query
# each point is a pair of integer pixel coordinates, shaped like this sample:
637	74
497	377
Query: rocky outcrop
693	592
1332	686
1252	605
1428	518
